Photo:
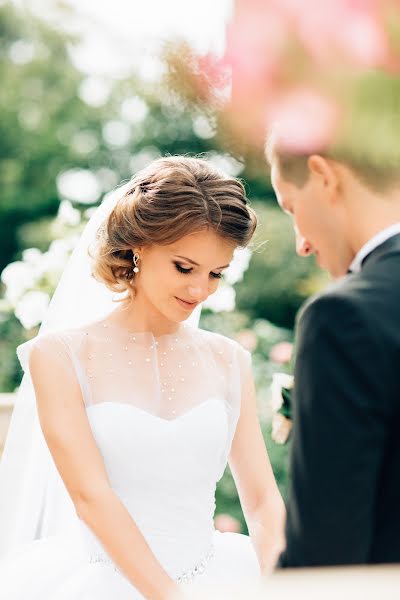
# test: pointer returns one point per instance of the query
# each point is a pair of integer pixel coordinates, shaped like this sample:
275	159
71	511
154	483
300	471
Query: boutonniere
281	391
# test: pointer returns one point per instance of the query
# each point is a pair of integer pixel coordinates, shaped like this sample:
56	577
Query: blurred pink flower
304	121
248	339
270	44
337	29
255	41
281	353
225	523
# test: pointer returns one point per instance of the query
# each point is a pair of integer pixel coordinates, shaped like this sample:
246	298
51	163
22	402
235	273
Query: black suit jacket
344	499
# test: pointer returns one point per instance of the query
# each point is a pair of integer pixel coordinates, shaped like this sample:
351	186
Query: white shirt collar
373	243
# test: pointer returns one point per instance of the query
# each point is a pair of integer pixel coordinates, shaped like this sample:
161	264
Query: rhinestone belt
186	577
189	574
100	558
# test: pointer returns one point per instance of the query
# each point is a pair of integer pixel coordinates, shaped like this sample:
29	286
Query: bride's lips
186	305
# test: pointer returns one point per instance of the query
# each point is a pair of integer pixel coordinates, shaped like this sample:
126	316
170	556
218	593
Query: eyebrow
196	264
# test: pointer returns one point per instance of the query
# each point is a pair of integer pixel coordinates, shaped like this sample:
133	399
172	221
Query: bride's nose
198	292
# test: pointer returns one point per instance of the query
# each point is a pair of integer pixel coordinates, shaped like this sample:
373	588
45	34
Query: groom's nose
303	246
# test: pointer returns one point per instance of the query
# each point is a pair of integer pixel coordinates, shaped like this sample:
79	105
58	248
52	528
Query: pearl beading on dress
168	388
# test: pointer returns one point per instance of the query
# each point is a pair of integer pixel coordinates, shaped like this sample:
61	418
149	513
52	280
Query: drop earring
136	258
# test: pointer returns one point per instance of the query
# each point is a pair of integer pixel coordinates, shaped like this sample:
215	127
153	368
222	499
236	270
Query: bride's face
175	278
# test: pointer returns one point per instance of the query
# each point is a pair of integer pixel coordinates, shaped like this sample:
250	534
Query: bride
128	413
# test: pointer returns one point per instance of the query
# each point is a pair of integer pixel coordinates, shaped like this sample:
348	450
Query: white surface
345	583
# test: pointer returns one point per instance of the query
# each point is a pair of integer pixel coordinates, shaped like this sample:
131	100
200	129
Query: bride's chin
175	315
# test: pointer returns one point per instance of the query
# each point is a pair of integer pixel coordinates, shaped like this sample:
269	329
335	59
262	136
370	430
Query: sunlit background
114	39
92	91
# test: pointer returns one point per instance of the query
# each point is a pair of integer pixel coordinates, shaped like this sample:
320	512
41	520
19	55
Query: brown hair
171	198
294	166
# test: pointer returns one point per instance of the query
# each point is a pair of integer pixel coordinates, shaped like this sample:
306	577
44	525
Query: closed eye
187	271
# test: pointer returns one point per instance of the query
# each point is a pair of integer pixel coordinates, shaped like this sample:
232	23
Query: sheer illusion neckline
107	324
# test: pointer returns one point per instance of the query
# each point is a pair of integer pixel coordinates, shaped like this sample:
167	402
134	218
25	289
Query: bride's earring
136	259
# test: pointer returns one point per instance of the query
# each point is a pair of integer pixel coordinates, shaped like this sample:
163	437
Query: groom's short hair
293	166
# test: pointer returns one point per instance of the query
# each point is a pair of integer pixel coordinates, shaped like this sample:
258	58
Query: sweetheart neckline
148	414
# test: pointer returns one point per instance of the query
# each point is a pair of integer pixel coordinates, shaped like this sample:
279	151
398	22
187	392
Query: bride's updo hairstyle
169	199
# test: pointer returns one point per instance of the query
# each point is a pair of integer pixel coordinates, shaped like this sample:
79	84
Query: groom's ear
324	175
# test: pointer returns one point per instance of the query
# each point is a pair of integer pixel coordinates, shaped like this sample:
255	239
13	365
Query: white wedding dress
163	412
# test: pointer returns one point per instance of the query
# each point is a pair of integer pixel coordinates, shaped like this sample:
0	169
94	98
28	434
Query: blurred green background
59	141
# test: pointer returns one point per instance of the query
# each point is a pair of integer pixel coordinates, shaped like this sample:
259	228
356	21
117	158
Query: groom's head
335	205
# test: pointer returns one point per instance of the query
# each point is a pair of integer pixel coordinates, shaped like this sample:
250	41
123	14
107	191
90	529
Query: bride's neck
138	315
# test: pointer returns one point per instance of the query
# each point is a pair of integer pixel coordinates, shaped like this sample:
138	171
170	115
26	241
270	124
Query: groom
344	500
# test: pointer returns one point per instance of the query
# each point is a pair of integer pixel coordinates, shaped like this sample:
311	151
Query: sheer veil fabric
30	507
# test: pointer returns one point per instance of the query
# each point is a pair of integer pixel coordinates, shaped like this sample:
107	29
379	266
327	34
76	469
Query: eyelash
187	271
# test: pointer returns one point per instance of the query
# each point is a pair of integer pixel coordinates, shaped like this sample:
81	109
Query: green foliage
37	99
11	335
370	132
